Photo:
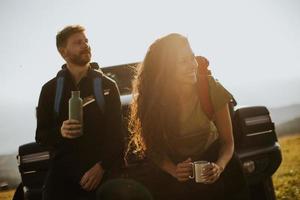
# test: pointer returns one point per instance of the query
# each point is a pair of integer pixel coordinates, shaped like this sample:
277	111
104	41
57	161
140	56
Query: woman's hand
212	173
183	170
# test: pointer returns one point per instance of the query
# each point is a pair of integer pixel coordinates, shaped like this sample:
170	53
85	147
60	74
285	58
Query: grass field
286	179
6	195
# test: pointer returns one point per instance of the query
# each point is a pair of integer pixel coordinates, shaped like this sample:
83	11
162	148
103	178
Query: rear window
123	75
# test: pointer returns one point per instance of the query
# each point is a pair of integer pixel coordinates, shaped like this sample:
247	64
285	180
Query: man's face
77	50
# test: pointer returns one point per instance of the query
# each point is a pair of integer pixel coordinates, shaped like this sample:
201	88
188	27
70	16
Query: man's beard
82	59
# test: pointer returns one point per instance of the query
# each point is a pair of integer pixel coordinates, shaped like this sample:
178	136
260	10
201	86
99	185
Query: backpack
97	87
203	85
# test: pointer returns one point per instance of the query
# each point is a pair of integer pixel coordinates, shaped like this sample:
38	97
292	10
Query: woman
170	128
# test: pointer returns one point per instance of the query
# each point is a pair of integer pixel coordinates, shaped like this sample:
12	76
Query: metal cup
198	169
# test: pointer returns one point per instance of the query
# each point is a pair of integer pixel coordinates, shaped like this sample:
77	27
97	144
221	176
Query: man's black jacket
102	139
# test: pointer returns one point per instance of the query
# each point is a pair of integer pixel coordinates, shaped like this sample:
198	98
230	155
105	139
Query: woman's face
186	66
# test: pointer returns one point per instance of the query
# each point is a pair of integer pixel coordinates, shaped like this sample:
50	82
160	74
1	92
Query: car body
254	136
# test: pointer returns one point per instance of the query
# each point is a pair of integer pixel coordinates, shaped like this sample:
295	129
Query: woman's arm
224	126
168	166
181	171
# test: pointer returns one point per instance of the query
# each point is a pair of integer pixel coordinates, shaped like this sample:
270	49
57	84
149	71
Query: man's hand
92	178
71	129
183	170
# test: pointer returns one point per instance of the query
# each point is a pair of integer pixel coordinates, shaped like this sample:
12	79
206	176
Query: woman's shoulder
218	93
215	85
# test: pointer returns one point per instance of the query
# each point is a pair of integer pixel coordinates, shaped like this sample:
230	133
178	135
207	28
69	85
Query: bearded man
83	153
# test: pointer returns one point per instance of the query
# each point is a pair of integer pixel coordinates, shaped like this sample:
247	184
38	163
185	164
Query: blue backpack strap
98	92
97	75
97	86
59	91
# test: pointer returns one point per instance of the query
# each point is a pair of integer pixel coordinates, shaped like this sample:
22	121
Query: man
80	162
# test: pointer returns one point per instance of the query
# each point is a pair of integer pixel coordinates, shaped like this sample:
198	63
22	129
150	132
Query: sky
253	46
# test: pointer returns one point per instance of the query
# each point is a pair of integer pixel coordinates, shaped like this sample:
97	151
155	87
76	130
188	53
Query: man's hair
63	35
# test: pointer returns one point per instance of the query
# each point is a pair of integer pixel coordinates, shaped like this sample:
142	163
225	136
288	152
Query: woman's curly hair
154	109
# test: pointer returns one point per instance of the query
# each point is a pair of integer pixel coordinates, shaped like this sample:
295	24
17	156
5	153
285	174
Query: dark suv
254	137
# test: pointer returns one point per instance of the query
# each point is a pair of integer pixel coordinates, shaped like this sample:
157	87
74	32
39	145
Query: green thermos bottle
75	107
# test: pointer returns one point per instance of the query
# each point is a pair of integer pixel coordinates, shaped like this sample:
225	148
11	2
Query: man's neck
78	72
